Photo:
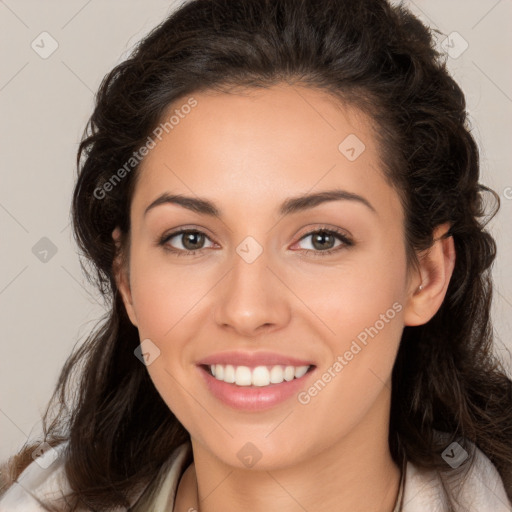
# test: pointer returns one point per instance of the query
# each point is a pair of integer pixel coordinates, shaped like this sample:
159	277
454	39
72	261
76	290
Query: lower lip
253	398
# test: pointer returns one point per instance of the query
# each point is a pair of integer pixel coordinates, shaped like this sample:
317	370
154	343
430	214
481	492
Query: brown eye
323	242
190	240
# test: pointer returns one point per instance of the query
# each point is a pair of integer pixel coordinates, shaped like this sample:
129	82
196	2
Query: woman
281	200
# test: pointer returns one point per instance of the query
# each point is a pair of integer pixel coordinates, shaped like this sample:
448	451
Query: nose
251	299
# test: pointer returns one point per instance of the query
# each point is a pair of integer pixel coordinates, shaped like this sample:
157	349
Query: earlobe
122	279
429	289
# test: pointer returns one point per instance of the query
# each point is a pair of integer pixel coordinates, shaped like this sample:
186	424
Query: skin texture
247	153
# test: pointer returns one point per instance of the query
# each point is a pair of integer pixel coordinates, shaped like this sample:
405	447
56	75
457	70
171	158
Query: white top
481	490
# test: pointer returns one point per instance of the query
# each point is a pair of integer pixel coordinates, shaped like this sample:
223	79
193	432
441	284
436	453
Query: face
318	285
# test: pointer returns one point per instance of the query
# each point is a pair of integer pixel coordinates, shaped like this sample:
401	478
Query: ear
428	288
122	277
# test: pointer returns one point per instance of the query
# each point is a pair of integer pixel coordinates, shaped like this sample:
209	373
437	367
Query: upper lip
253	359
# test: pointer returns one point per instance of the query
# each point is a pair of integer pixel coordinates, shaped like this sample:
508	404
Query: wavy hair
372	55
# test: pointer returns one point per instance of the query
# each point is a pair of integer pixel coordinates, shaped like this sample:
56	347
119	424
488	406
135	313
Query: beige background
46	307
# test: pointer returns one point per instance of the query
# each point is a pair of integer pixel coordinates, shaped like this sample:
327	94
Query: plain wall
47	307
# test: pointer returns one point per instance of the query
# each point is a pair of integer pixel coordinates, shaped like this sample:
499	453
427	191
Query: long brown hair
372	55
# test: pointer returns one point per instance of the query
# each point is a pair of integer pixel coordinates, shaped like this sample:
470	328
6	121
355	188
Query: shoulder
162	493
42	480
476	489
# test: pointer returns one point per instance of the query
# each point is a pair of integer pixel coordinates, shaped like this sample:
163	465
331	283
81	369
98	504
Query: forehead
261	145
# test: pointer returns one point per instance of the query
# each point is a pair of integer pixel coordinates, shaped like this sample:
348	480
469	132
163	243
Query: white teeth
219	372
300	371
258	376
276	375
242	376
229	374
289	373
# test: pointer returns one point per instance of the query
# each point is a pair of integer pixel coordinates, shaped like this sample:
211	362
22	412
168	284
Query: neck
356	474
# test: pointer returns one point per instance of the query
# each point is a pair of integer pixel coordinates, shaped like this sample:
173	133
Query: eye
191	240
323	240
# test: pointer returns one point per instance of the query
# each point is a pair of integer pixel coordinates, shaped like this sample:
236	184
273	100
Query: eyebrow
289	206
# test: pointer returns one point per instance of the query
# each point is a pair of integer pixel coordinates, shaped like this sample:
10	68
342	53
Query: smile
255	388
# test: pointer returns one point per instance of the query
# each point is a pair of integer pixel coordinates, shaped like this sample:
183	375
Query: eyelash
346	242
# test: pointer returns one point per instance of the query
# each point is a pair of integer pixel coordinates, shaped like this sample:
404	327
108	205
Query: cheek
354	295
166	299
361	308
164	294
364	313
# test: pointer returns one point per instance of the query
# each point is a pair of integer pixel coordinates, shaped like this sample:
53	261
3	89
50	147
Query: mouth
255	388
255	381
258	376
